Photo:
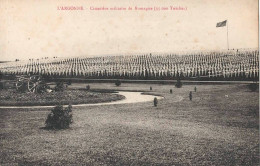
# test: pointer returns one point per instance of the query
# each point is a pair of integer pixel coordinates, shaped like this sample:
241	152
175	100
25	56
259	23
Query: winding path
130	97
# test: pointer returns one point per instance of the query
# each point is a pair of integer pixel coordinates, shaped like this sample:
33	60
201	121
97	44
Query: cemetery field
220	126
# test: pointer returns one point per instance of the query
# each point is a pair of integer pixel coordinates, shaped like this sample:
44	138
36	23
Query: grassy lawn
11	97
220	126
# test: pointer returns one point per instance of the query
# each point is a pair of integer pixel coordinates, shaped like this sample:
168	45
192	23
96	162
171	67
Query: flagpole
227	36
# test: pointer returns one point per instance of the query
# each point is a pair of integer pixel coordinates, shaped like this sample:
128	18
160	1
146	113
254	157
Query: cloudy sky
35	29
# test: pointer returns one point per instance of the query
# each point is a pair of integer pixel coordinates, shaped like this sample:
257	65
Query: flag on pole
221	24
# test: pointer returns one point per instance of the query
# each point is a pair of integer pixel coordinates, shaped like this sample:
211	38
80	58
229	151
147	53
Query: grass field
220	126
11	97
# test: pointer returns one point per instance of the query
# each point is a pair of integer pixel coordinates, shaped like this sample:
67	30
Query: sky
35	28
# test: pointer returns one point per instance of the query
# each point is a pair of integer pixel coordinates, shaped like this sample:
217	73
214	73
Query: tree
59	86
59	118
178	84
41	88
69	82
253	87
118	83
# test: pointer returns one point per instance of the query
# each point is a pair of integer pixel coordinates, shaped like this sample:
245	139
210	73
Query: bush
178	84
69	82
155	102
41	88
118	83
59	118
1	85
253	87
59	87
190	95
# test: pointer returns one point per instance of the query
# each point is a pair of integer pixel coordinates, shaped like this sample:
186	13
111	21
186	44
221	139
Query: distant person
190	96
155	102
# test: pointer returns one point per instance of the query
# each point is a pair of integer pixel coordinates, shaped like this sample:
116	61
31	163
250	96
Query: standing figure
155	102
190	95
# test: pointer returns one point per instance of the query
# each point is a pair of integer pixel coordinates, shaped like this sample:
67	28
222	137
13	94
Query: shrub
155	101
41	88
1	85
59	118
190	95
118	83
69	82
178	84
59	86
253	87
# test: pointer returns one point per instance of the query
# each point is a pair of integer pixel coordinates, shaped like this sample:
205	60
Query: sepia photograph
133	82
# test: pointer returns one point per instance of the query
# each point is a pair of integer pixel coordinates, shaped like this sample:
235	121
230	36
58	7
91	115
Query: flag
222	24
